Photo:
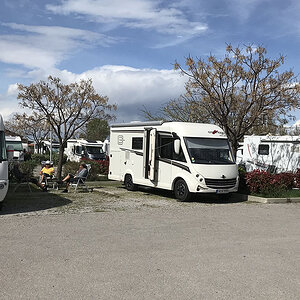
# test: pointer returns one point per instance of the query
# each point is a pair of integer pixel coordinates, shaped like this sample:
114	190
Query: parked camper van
84	149
272	153
16	143
3	164
183	157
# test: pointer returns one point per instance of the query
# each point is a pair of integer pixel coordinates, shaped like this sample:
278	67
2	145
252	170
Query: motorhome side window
137	143
166	149
263	149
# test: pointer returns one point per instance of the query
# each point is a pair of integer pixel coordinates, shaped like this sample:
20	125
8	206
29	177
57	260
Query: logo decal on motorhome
120	139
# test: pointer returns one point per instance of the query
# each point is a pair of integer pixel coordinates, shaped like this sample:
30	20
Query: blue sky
128	47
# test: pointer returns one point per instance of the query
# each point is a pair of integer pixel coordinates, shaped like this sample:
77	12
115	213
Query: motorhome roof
181	128
137	123
13	138
86	142
273	138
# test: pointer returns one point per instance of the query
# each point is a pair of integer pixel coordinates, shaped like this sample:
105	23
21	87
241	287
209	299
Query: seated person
22	177
81	173
47	171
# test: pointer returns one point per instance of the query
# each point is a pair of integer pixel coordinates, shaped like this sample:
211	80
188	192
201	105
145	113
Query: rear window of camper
263	149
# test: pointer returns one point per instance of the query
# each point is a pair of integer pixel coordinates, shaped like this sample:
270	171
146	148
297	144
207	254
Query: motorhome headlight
2	185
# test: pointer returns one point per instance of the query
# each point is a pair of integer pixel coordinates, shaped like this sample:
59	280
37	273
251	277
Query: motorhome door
149	153
152	144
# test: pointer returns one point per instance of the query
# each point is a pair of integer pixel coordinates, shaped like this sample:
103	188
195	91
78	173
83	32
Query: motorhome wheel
128	182
181	190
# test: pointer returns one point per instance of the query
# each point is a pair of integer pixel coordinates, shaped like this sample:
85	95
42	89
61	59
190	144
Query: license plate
222	191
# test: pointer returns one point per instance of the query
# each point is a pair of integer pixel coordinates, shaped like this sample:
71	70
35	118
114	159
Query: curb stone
267	200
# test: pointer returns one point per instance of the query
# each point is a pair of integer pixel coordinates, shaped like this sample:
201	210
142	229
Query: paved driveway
156	249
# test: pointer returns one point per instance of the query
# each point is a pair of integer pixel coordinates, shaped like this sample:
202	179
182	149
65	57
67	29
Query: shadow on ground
23	201
201	198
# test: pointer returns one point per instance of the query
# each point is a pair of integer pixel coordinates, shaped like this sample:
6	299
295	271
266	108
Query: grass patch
280	194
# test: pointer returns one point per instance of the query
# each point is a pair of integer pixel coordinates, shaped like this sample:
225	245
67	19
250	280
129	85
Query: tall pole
50	143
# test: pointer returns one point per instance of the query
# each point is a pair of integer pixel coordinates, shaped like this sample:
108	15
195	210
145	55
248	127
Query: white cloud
45	46
12	90
125	85
143	14
130	88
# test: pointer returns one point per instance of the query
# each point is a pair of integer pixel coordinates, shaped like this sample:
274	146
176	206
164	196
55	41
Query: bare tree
66	107
29	126
243	93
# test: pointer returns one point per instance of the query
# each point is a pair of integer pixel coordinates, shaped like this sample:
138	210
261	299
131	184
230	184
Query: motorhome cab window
166	149
2	147
137	143
263	149
209	151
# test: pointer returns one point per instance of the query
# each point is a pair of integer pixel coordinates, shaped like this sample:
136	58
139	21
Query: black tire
128	182
181	190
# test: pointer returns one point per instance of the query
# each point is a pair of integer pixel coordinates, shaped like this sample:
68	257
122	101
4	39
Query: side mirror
177	146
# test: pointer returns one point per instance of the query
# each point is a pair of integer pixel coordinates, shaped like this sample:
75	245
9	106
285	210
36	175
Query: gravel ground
114	244
106	196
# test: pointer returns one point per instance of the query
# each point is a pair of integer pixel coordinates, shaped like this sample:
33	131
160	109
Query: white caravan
272	153
3	164
183	157
84	149
16	143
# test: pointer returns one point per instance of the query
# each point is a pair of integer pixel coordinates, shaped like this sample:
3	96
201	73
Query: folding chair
80	181
50	180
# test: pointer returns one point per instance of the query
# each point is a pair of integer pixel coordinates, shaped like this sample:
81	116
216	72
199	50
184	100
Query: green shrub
96	169
25	167
38	158
55	158
70	167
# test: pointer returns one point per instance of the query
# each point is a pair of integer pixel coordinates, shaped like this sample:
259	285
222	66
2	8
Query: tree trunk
60	161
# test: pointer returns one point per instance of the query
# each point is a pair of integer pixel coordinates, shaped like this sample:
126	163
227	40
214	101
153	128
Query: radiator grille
220	183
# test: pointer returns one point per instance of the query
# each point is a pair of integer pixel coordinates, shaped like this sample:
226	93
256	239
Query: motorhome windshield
209	151
94	150
2	147
16	144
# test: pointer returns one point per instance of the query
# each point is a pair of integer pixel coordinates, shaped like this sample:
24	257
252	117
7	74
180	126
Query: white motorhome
272	153
3	164
183	157
84	149
16	143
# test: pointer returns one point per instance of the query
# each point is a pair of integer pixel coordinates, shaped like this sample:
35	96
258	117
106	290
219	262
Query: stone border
244	197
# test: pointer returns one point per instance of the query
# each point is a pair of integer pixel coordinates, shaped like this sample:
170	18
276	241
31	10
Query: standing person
47	171
81	173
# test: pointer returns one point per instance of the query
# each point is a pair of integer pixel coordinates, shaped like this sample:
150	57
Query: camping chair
50	182
80	181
